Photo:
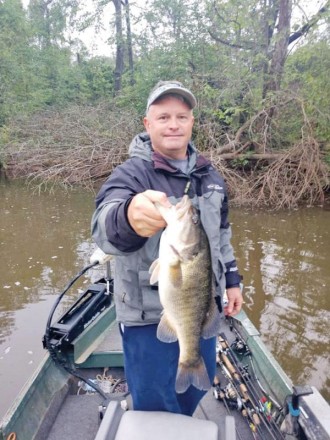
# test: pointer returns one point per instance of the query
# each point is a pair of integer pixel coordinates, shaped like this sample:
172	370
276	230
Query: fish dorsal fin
211	325
154	271
165	332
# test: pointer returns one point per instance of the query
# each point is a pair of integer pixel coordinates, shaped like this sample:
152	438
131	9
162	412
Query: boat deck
79	415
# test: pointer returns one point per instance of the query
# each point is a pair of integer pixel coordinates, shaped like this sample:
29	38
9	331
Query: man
163	166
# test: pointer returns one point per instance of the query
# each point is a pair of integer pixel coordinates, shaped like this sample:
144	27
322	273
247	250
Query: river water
283	256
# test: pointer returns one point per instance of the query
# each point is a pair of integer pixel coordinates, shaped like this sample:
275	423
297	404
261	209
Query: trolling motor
91	303
83	312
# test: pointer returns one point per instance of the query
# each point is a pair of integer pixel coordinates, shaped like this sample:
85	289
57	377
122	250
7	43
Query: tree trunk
270	17
274	77
129	43
119	48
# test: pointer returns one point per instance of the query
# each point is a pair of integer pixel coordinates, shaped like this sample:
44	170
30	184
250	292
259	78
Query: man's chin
176	143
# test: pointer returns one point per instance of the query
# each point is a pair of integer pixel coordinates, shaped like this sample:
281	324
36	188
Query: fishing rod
261	405
231	397
219	394
290	412
241	347
267	401
274	418
239	386
241	371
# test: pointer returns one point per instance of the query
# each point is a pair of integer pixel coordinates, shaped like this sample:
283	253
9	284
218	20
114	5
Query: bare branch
246	46
311	23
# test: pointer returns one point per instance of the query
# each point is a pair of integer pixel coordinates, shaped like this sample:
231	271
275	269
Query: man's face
169	124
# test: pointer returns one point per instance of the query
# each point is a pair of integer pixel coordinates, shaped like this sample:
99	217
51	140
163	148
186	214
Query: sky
96	40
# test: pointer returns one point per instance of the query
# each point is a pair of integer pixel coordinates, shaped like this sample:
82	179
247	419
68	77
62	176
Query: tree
123	43
129	42
16	79
235	24
49	21
284	38
307	74
119	69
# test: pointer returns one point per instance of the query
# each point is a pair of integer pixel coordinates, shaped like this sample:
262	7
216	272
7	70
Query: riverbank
80	146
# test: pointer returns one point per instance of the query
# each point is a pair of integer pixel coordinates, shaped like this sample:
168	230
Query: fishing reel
227	394
244	372
232	397
240	347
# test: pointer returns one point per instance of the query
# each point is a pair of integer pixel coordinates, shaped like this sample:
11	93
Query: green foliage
96	79
15	56
242	161
327	159
307	74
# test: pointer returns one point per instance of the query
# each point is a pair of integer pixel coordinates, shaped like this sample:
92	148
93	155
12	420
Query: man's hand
142	214
235	301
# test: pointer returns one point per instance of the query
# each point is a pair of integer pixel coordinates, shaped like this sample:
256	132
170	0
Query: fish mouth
185	207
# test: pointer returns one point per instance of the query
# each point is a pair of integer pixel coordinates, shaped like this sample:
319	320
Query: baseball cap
165	87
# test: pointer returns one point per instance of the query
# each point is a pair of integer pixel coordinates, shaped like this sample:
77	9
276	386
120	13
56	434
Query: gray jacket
137	302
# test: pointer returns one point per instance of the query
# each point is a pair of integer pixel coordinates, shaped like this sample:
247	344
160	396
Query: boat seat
158	425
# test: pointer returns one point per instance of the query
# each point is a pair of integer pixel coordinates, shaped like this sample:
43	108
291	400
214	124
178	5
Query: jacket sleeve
233	278
110	227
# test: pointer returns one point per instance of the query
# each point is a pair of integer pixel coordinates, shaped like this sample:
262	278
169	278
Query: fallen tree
296	176
82	145
268	170
78	146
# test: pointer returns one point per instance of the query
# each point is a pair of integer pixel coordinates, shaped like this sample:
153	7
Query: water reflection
284	258
44	241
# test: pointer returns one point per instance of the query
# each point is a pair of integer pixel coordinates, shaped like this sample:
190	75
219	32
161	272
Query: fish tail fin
195	374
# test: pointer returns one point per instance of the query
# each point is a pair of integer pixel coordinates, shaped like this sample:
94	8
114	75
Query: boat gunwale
14	419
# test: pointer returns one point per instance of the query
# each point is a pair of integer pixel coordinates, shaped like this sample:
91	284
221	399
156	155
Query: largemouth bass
184	274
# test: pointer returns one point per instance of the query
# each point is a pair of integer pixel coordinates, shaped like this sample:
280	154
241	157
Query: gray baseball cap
166	87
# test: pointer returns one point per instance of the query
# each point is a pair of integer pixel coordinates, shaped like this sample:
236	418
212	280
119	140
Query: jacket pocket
150	295
127	289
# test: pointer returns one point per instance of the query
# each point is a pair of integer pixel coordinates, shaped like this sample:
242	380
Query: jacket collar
197	162
141	147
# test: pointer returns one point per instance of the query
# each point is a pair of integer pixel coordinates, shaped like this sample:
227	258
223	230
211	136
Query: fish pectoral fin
212	321
165	331
195	374
175	275
154	271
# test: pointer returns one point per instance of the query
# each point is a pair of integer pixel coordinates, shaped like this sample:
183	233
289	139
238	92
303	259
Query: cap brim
165	90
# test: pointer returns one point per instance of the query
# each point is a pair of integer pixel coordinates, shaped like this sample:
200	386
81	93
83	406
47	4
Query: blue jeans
151	367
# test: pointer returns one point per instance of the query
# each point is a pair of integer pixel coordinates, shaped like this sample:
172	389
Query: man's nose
174	123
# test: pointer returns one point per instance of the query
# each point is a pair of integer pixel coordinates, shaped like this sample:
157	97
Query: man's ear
146	123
